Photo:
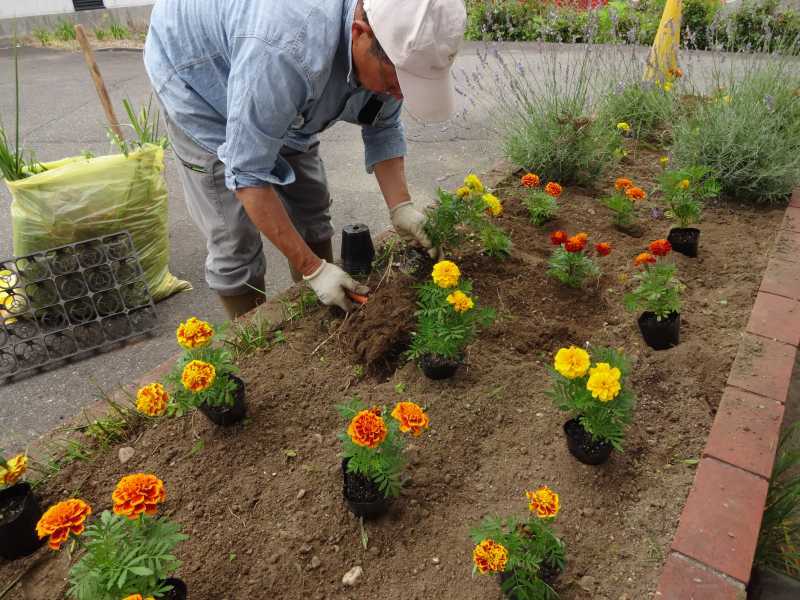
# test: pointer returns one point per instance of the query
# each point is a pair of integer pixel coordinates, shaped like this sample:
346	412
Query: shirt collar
349	11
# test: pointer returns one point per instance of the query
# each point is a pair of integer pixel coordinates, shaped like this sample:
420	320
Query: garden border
712	553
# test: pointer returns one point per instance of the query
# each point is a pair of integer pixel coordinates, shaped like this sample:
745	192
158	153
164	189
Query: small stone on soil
352	576
315	563
125	454
300	494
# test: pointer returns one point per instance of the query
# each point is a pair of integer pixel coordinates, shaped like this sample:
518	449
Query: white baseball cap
421	38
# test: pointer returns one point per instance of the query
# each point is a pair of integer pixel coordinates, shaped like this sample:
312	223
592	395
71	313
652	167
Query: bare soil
262	501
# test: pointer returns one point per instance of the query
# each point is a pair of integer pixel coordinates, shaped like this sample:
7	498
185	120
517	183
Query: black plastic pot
362	495
18	527
179	590
663	334
228	415
438	367
357	249
684	240
583	447
767	584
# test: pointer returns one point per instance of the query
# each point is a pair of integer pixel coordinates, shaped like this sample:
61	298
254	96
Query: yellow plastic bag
80	198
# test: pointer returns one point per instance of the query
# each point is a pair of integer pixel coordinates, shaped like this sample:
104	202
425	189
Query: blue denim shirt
243	78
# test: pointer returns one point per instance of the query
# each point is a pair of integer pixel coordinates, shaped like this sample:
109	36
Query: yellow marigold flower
137	494
726	99
367	429
411	418
13	470
490	557
493	204
463	192
664	160
474	184
194	333
446	274
151	400
683	184
572	362
460	301
623	126
668	86
543	502
198	376
604	382
61	520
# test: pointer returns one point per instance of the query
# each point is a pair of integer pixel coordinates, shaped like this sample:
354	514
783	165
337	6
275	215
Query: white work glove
409	223
330	283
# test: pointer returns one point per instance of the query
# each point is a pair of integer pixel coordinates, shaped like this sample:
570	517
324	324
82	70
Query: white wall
10	9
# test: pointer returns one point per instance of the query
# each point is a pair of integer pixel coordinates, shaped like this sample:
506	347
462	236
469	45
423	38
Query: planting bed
262	501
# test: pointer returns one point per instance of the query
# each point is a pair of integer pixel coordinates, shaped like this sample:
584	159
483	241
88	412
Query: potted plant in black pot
372	455
684	192
525	553
127	553
447	321
204	377
596	396
19	510
658	294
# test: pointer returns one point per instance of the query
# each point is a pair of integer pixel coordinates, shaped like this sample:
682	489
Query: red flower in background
603	248
576	243
558	237
660	247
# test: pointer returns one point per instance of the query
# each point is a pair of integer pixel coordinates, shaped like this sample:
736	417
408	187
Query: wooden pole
88	56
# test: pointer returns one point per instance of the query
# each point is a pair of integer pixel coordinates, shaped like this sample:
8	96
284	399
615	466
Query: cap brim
429	100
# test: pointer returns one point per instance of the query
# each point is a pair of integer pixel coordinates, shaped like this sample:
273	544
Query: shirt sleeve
385	138
267	90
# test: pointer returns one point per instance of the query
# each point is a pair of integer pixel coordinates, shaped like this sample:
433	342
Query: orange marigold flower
198	376
554	189
367	429
61	520
645	258
490	557
151	400
660	247
603	248
582	236
576	243
137	597
543	502
411	418
675	72
531	180
194	333
558	237
137	494
622	183
635	193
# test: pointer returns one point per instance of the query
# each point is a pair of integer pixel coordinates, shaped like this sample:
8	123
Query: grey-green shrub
747	134
648	109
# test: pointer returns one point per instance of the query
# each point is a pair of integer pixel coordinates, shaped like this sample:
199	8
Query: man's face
372	72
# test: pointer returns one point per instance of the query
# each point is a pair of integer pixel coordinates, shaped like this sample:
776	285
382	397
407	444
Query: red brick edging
712	553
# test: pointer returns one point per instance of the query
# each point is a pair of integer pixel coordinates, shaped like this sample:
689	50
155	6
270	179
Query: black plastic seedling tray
69	302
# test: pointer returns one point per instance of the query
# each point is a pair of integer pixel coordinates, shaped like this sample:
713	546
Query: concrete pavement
61	117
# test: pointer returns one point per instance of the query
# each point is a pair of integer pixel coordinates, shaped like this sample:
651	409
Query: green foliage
747	134
684	192
622	208
441	330
44	36
65	31
531	545
145	124
248	335
658	290
779	540
101	34
571	268
453	217
125	557
647	108
13	164
542	207
384	464
119	32
605	421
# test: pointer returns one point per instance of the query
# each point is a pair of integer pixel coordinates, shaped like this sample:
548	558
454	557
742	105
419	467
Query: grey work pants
235	258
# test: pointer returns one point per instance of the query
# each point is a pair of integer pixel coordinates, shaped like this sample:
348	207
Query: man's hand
330	283
410	225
